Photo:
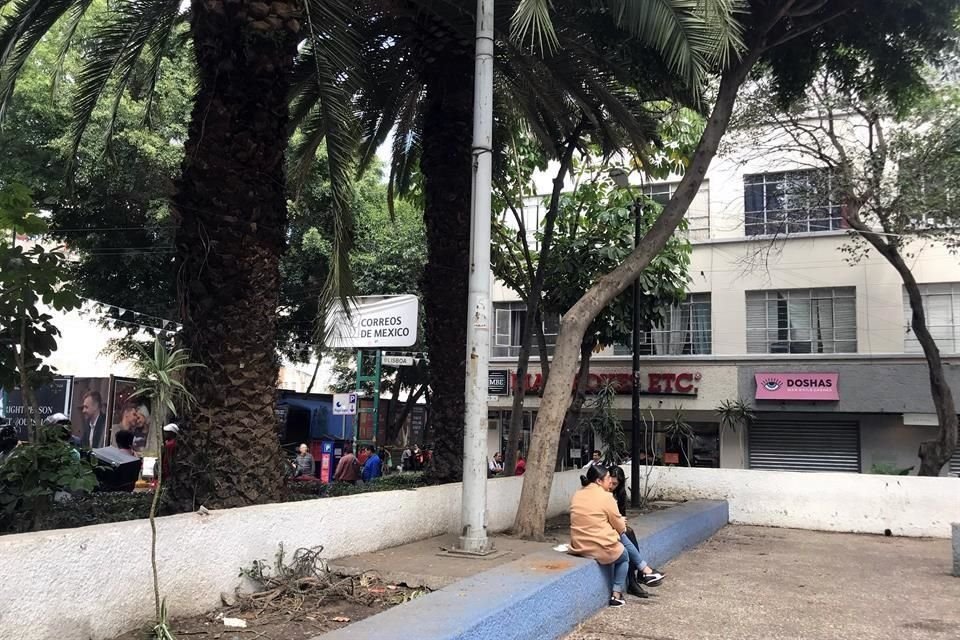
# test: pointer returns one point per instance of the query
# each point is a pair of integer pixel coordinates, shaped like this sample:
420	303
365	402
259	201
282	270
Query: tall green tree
893	170
229	202
417	64
792	40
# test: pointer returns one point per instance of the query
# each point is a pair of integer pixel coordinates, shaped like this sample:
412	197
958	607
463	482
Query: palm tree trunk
445	163
231	214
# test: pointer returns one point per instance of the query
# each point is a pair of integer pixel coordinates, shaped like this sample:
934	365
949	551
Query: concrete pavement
753	583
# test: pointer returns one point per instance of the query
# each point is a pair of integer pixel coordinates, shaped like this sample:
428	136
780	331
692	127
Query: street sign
497	382
398	361
344	404
374	322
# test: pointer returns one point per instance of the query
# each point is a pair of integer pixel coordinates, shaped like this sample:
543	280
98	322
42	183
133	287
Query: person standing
94	421
372	468
305	464
348	468
521	464
170	433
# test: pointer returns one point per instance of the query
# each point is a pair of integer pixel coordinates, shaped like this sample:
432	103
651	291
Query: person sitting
596	525
495	465
125	442
639	571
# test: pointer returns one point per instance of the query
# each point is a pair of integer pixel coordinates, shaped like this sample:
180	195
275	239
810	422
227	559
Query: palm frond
27	23
74	17
331	120
531	24
121	41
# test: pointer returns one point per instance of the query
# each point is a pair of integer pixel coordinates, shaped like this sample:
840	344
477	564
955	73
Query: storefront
849	417
679	423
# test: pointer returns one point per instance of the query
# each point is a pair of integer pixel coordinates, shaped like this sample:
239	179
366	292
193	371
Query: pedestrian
348	468
405	459
304	463
372	467
639	571
363	455
419	458
495	465
170	434
595	528
594	460
521	464
8	440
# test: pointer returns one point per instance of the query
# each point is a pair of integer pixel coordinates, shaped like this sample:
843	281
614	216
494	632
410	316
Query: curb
542	596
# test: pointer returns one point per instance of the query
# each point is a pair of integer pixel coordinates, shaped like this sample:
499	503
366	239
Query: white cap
171	427
56	418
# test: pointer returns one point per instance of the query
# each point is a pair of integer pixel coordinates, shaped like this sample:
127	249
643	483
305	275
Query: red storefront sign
659	384
798	386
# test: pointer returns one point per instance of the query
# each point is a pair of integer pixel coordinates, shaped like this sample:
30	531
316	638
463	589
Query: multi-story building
778	317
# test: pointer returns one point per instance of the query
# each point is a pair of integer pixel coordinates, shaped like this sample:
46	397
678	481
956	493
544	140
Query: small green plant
160	380
606	424
34	474
734	414
680	431
889	469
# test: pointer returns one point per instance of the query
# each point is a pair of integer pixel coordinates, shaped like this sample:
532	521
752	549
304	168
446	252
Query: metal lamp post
622	180
473	538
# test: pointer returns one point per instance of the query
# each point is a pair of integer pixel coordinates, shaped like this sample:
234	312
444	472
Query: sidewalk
424	563
757	583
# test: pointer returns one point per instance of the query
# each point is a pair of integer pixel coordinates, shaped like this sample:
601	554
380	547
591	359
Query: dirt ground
756	583
290	618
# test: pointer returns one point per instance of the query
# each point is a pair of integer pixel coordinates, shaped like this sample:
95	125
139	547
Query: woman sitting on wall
639	571
596	525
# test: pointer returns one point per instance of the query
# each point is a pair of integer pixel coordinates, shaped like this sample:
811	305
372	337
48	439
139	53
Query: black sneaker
652	579
616	602
636	590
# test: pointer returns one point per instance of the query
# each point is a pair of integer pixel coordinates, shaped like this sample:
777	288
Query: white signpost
397	361
344	404
374	322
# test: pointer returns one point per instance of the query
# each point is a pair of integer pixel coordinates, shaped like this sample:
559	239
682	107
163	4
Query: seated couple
598	530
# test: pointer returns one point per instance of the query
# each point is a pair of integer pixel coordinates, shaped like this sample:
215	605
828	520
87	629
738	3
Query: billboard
374	322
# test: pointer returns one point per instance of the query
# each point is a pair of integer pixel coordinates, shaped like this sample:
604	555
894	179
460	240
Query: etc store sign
823	387
654	383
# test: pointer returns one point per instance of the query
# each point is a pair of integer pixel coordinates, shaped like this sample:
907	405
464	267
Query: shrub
35	474
393	482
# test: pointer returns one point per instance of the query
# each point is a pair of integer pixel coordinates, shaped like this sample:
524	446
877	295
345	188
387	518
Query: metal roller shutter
797	445
955	462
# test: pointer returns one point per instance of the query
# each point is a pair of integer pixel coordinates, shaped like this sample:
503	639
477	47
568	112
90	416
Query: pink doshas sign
798	386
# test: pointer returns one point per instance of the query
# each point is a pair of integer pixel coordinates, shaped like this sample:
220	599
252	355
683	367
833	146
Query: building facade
780	320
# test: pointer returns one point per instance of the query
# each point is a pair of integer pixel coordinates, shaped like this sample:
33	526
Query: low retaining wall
94	583
846	502
541	596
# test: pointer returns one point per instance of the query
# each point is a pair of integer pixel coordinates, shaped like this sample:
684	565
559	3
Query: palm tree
416	66
230	205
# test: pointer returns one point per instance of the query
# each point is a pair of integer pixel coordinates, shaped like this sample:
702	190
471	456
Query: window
802	321
941	305
508	319
790	202
698	214
685	331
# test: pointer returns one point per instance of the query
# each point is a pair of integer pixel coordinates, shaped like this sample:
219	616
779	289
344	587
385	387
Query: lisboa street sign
374	322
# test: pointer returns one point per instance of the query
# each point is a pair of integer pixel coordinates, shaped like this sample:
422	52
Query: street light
622	179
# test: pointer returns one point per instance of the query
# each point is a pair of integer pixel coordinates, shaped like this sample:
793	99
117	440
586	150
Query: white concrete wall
907	505
93	583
